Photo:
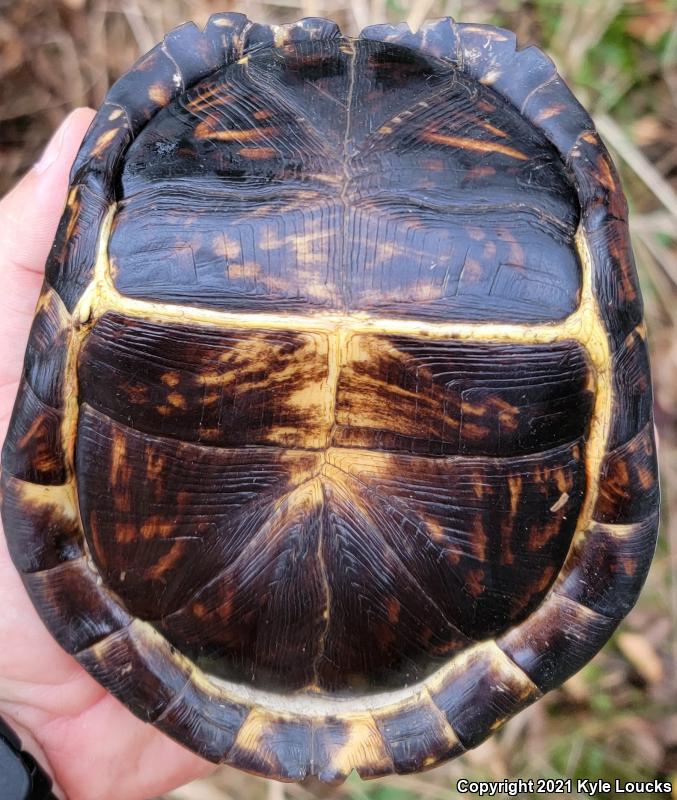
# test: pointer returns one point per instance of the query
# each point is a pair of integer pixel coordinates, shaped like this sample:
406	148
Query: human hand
94	748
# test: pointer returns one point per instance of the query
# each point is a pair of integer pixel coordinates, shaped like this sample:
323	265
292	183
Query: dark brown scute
438	39
139	670
604	220
226	32
261	617
145	89
309	29
555	110
41	535
628	482
104	145
388	210
253	579
78	611
33	450
597	184
207	385
535	69
633	398
484	51
156	510
45	360
407	628
457	397
607	568
195	54
557	640
70	264
417	735
478	535
615	279
203	721
482	696
281	746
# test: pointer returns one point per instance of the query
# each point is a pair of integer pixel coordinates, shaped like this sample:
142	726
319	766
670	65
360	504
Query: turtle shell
333	448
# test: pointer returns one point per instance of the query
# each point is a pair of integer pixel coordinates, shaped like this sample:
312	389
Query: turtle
333	448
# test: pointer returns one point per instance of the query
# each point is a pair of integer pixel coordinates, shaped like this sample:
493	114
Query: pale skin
89	743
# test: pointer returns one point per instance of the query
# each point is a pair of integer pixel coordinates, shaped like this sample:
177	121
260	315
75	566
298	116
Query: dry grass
618	717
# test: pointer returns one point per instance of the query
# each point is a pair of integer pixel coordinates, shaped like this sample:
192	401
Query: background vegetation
618	717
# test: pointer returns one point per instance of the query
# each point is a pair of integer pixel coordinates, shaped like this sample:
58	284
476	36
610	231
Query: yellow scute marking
257	153
103	141
59	498
364	747
466	143
159	94
205	131
252	738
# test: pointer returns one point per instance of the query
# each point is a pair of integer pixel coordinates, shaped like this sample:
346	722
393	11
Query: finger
133	760
29	216
30	213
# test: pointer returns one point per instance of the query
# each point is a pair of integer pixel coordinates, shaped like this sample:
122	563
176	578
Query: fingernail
53	149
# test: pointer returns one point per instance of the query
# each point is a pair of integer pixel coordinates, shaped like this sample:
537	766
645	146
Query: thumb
29	216
30	213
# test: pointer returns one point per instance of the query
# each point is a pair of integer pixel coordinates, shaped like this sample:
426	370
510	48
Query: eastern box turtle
333	448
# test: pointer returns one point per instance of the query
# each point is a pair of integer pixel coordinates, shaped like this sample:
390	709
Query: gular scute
333	447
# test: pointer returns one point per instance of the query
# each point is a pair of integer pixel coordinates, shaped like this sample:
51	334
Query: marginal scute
608	566
42	522
485	50
70	264
633	401
77	610
347	743
482	693
46	352
628	481
136	665
257	37
204	720
604	222
438	38
615	276
195	54
32	450
517	79
275	746
226	31
104	144
417	734
557	640
152	82
553	108
307	29
597	182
